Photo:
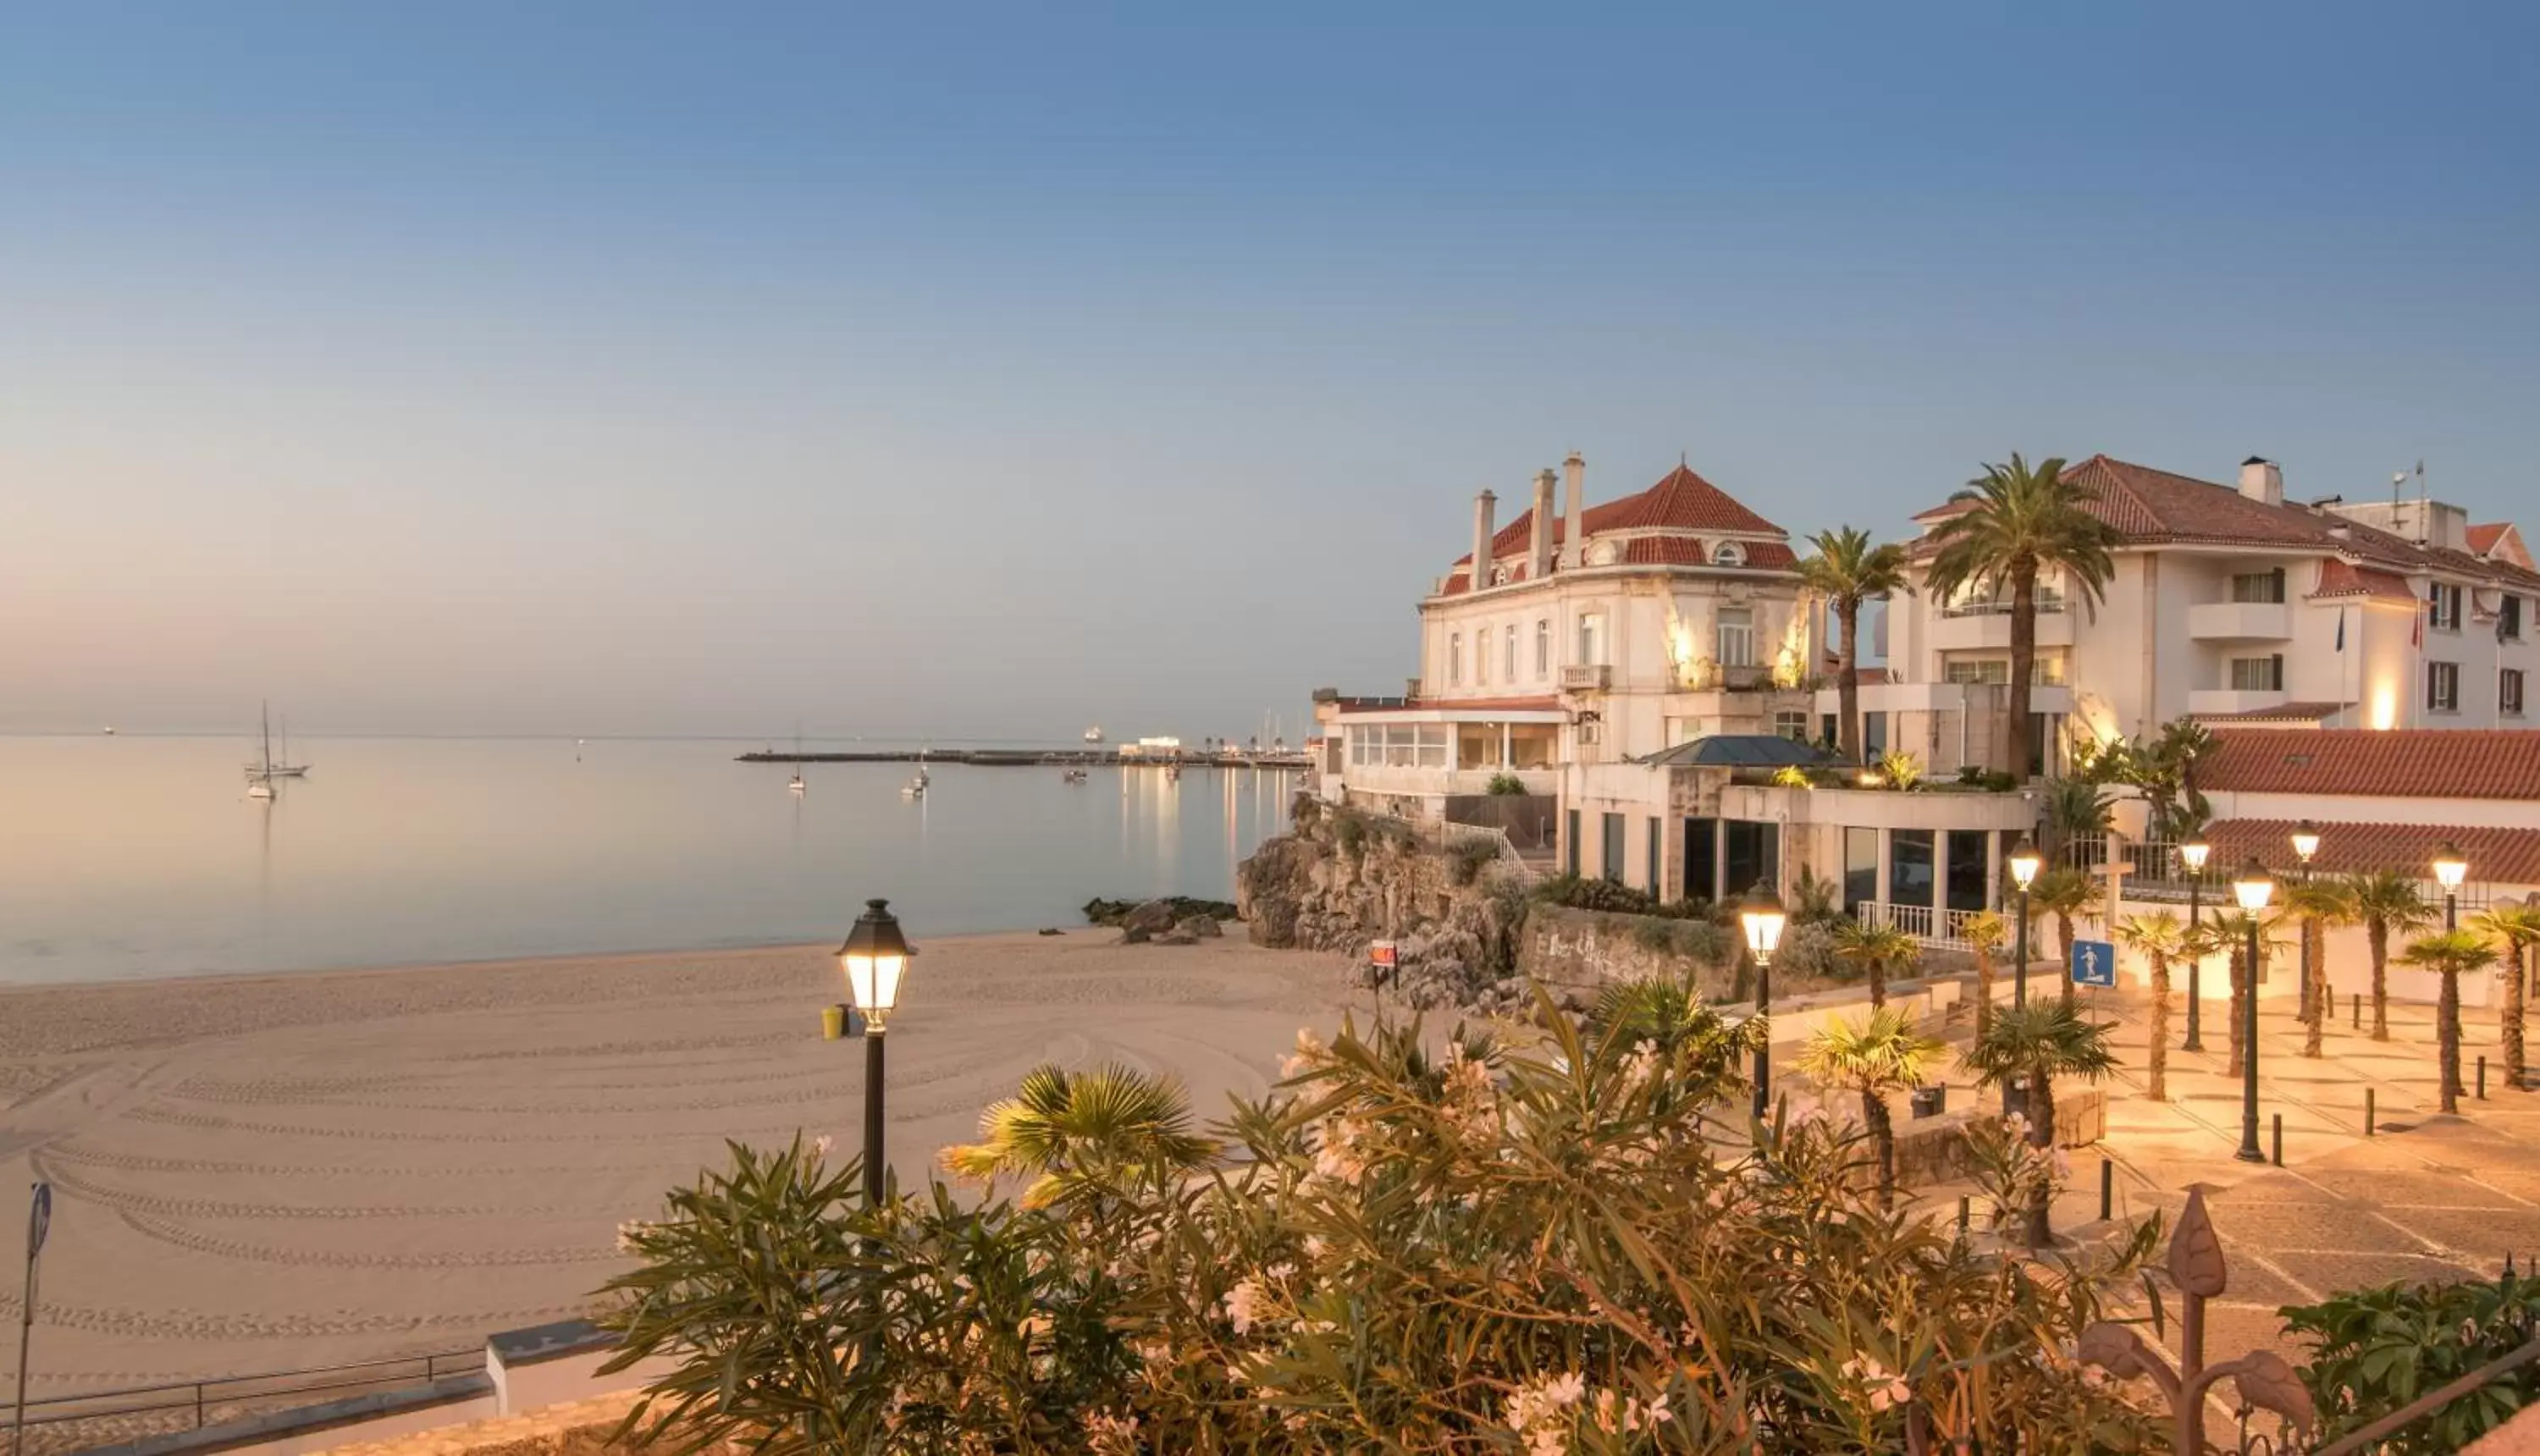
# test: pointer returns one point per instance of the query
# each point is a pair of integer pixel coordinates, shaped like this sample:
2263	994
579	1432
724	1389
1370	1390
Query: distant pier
1074	758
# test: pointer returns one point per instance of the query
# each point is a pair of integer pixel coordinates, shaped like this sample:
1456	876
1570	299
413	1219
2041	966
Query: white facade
2229	603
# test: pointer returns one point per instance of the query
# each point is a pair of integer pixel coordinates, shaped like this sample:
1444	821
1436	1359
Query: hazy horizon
580	369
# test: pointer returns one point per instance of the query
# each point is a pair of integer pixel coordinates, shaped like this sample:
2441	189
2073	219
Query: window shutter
2277	585
2276	668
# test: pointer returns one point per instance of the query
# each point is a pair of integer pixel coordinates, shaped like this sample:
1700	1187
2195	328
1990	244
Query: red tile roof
2411	763
2155	507
2510	857
2341	578
1680	502
2483	538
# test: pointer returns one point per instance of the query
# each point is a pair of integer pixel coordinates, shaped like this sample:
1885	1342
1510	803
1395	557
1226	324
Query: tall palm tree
2036	1044
1874	948
1883	1054
2317	904
2169	777
2064	892
2450	954
2515	930
1847	571
1080	1134
2387	901
1986	933
2023	523
2161	938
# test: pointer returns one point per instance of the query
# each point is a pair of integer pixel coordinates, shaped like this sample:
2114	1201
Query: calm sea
125	857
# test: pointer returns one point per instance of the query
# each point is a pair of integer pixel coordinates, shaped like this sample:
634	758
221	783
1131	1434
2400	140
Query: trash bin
833	1022
1931	1102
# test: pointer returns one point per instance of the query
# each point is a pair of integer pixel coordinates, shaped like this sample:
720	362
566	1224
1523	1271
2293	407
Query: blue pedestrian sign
2094	963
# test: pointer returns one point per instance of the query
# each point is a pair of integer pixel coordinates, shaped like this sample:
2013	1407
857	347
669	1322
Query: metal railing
1941	927
226	1395
2047	606
2159	874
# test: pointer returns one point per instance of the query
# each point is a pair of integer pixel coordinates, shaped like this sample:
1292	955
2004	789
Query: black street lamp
2026	861
2450	869
1760	911
875	958
2193	855
2254	887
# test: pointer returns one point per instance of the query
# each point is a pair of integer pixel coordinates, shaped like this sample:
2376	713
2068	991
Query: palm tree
1080	1134
2035	1044
1847	571
2066	892
2232	933
1672	1016
1985	933
2161	938
2318	904
2023	523
1874	948
2168	777
2516	929
2075	808
1884	1054
2387	901
2450	954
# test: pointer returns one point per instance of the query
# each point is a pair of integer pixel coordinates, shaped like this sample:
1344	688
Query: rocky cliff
1340	879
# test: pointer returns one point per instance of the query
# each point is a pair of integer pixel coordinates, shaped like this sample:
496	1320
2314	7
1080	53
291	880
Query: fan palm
1847	571
1881	1054
1985	933
2022	523
2450	954
1679	1024
1080	1134
2161	938
2317	904
2035	1044
2169	777
1903	771
2515	930
2387	901
2077	808
2064	892
1874	948
2232	933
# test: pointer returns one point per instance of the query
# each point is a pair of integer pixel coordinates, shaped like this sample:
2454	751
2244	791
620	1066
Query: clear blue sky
982	371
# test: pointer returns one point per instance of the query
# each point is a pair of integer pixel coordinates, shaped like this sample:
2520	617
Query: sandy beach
278	1171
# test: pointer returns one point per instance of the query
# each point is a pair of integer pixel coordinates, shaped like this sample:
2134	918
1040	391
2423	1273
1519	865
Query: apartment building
2232	604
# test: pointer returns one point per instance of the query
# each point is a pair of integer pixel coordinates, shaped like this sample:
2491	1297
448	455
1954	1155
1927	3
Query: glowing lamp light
1760	911
875	958
2253	886
2450	866
1869	779
2194	854
2306	840
2026	861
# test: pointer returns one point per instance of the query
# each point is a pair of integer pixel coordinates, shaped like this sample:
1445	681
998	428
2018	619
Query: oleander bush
2374	1351
1414	1244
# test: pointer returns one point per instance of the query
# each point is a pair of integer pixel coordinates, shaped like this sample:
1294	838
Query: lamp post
1760	911
2254	887
2026	861
2450	869
875	958
2193	855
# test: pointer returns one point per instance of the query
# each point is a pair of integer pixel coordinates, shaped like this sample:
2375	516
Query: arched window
1481	656
1455	660
1508	657
1729	553
1542	648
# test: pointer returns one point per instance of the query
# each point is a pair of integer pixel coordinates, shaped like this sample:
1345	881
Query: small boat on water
283	767
794	783
110	731
916	788
259	789
1093	734
1076	776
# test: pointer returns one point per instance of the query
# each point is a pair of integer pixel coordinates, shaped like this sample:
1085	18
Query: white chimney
1575	489
1538	544
1484	507
2262	480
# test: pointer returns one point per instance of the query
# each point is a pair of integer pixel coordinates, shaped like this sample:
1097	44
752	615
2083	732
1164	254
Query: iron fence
190	1405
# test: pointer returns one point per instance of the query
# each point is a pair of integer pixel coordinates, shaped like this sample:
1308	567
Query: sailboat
916	788
794	785
285	768
260	772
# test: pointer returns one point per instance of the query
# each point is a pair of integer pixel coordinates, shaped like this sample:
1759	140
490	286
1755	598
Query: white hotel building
2232	604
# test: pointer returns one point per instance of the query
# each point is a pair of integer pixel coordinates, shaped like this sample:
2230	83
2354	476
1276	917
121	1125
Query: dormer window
1729	553
1601	553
